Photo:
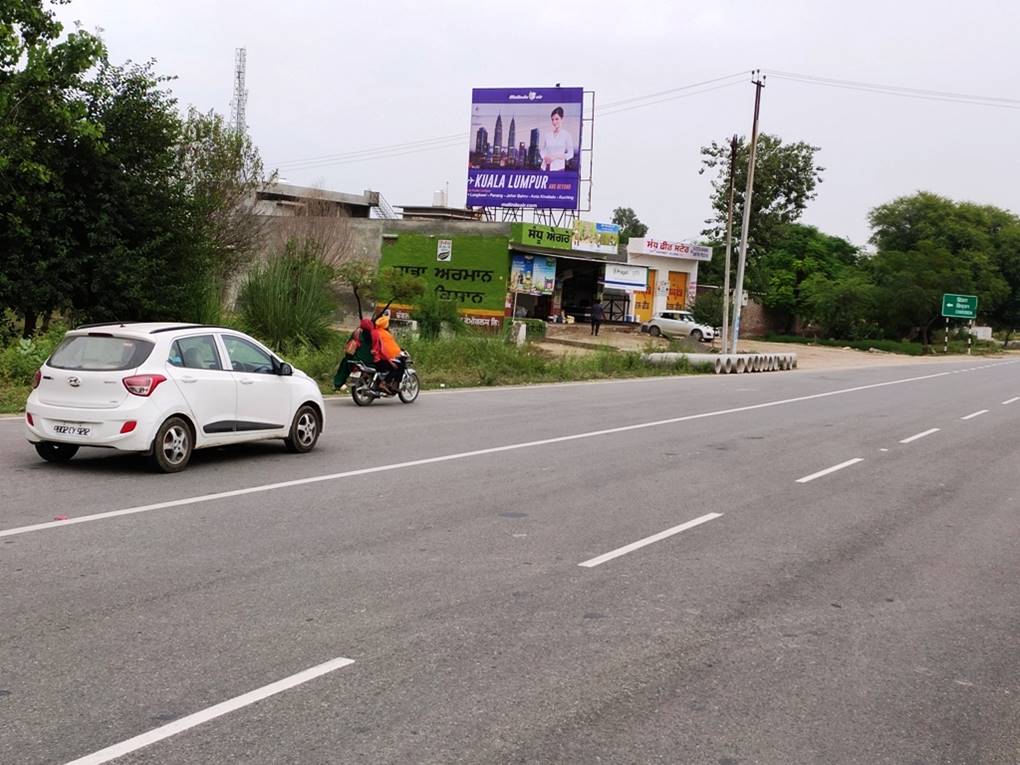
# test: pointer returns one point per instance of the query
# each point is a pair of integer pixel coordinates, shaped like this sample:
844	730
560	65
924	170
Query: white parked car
165	390
678	323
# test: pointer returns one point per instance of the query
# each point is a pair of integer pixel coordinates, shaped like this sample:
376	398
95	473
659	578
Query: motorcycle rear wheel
361	394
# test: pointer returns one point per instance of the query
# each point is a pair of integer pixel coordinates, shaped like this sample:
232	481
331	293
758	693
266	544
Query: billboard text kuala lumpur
525	147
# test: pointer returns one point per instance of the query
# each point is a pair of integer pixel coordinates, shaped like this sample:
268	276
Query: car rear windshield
100	353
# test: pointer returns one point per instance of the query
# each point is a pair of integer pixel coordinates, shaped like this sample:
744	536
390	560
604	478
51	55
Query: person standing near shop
598	315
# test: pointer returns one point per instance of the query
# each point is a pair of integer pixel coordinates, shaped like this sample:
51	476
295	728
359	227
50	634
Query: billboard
532	274
596	237
525	147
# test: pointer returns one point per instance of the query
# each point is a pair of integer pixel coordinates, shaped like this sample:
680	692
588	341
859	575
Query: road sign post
959	307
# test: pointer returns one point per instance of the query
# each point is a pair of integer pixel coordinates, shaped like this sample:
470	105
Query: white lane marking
1011	400
832	469
649	540
177	726
922	434
972	415
458	456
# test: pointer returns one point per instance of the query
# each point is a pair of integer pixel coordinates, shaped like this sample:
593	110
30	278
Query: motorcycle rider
368	351
391	353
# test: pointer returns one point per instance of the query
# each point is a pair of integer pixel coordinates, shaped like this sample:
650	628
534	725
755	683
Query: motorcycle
367	383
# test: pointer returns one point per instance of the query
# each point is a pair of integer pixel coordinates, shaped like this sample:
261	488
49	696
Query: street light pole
738	295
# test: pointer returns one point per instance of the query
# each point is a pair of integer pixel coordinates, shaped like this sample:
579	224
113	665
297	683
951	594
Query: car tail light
143	385
36	378
28	417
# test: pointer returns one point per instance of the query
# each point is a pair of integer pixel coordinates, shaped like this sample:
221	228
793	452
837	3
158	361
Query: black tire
361	394
52	452
654	331
409	387
696	335
304	431
172	447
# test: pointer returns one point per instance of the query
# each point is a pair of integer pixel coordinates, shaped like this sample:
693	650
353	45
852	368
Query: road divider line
972	415
183	724
920	435
649	540
1011	400
459	456
833	469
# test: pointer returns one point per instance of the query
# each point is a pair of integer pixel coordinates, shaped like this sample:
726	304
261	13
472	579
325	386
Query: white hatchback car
167	389
678	323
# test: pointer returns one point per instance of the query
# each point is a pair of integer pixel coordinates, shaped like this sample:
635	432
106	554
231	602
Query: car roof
140	328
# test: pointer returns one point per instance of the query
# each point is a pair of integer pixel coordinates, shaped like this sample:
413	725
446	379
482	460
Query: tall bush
287	301
434	314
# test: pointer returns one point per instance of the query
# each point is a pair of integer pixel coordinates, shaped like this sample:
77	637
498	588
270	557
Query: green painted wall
475	276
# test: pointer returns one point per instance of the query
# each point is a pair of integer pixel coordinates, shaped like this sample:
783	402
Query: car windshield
100	352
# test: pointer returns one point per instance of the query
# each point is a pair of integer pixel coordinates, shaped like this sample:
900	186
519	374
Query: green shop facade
494	270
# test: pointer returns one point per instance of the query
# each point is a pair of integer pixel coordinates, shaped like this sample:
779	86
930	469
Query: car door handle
246	382
189	379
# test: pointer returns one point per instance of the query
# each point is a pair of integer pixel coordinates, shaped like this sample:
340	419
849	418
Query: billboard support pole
738	297
970	336
945	347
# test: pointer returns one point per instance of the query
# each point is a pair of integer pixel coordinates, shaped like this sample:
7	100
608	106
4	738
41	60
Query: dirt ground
575	338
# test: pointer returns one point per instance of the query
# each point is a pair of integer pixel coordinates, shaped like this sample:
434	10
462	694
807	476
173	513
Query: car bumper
104	426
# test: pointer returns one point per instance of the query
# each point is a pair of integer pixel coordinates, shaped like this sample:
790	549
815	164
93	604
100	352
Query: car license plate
72	429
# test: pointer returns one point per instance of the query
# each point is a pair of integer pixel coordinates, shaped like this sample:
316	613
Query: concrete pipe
739	364
759	362
773	362
717	366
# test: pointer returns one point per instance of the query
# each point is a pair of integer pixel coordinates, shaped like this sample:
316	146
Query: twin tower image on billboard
525	147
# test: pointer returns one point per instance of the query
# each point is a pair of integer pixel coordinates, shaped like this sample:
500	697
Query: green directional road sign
959	306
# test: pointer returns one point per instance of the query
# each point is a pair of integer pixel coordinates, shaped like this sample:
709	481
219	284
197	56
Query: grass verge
980	347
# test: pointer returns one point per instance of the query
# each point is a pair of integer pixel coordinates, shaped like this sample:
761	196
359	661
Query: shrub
287	301
707	308
434	315
536	327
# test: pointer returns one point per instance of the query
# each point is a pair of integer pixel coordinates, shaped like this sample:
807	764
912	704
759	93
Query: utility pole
738	295
729	250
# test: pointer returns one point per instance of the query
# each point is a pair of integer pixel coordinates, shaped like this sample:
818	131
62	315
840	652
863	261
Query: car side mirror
285	369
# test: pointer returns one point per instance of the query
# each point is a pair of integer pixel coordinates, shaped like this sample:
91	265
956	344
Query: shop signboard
668	249
532	274
630	278
524	147
538	235
596	237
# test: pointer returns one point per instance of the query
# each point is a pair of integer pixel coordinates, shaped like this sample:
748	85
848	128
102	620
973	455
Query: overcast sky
333	77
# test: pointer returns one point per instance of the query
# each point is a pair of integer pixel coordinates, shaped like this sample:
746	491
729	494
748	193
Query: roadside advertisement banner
662	247
628	278
532	274
538	235
524	148
596	237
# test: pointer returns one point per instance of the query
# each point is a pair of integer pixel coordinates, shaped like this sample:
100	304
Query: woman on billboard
556	147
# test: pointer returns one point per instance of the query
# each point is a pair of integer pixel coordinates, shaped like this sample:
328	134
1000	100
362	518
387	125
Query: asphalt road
774	612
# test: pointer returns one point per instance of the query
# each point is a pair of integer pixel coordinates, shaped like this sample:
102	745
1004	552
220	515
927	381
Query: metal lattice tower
240	99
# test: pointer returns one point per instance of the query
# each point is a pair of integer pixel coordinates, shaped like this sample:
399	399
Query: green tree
630	226
44	123
929	245
140	247
842	305
222	170
785	179
797	253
